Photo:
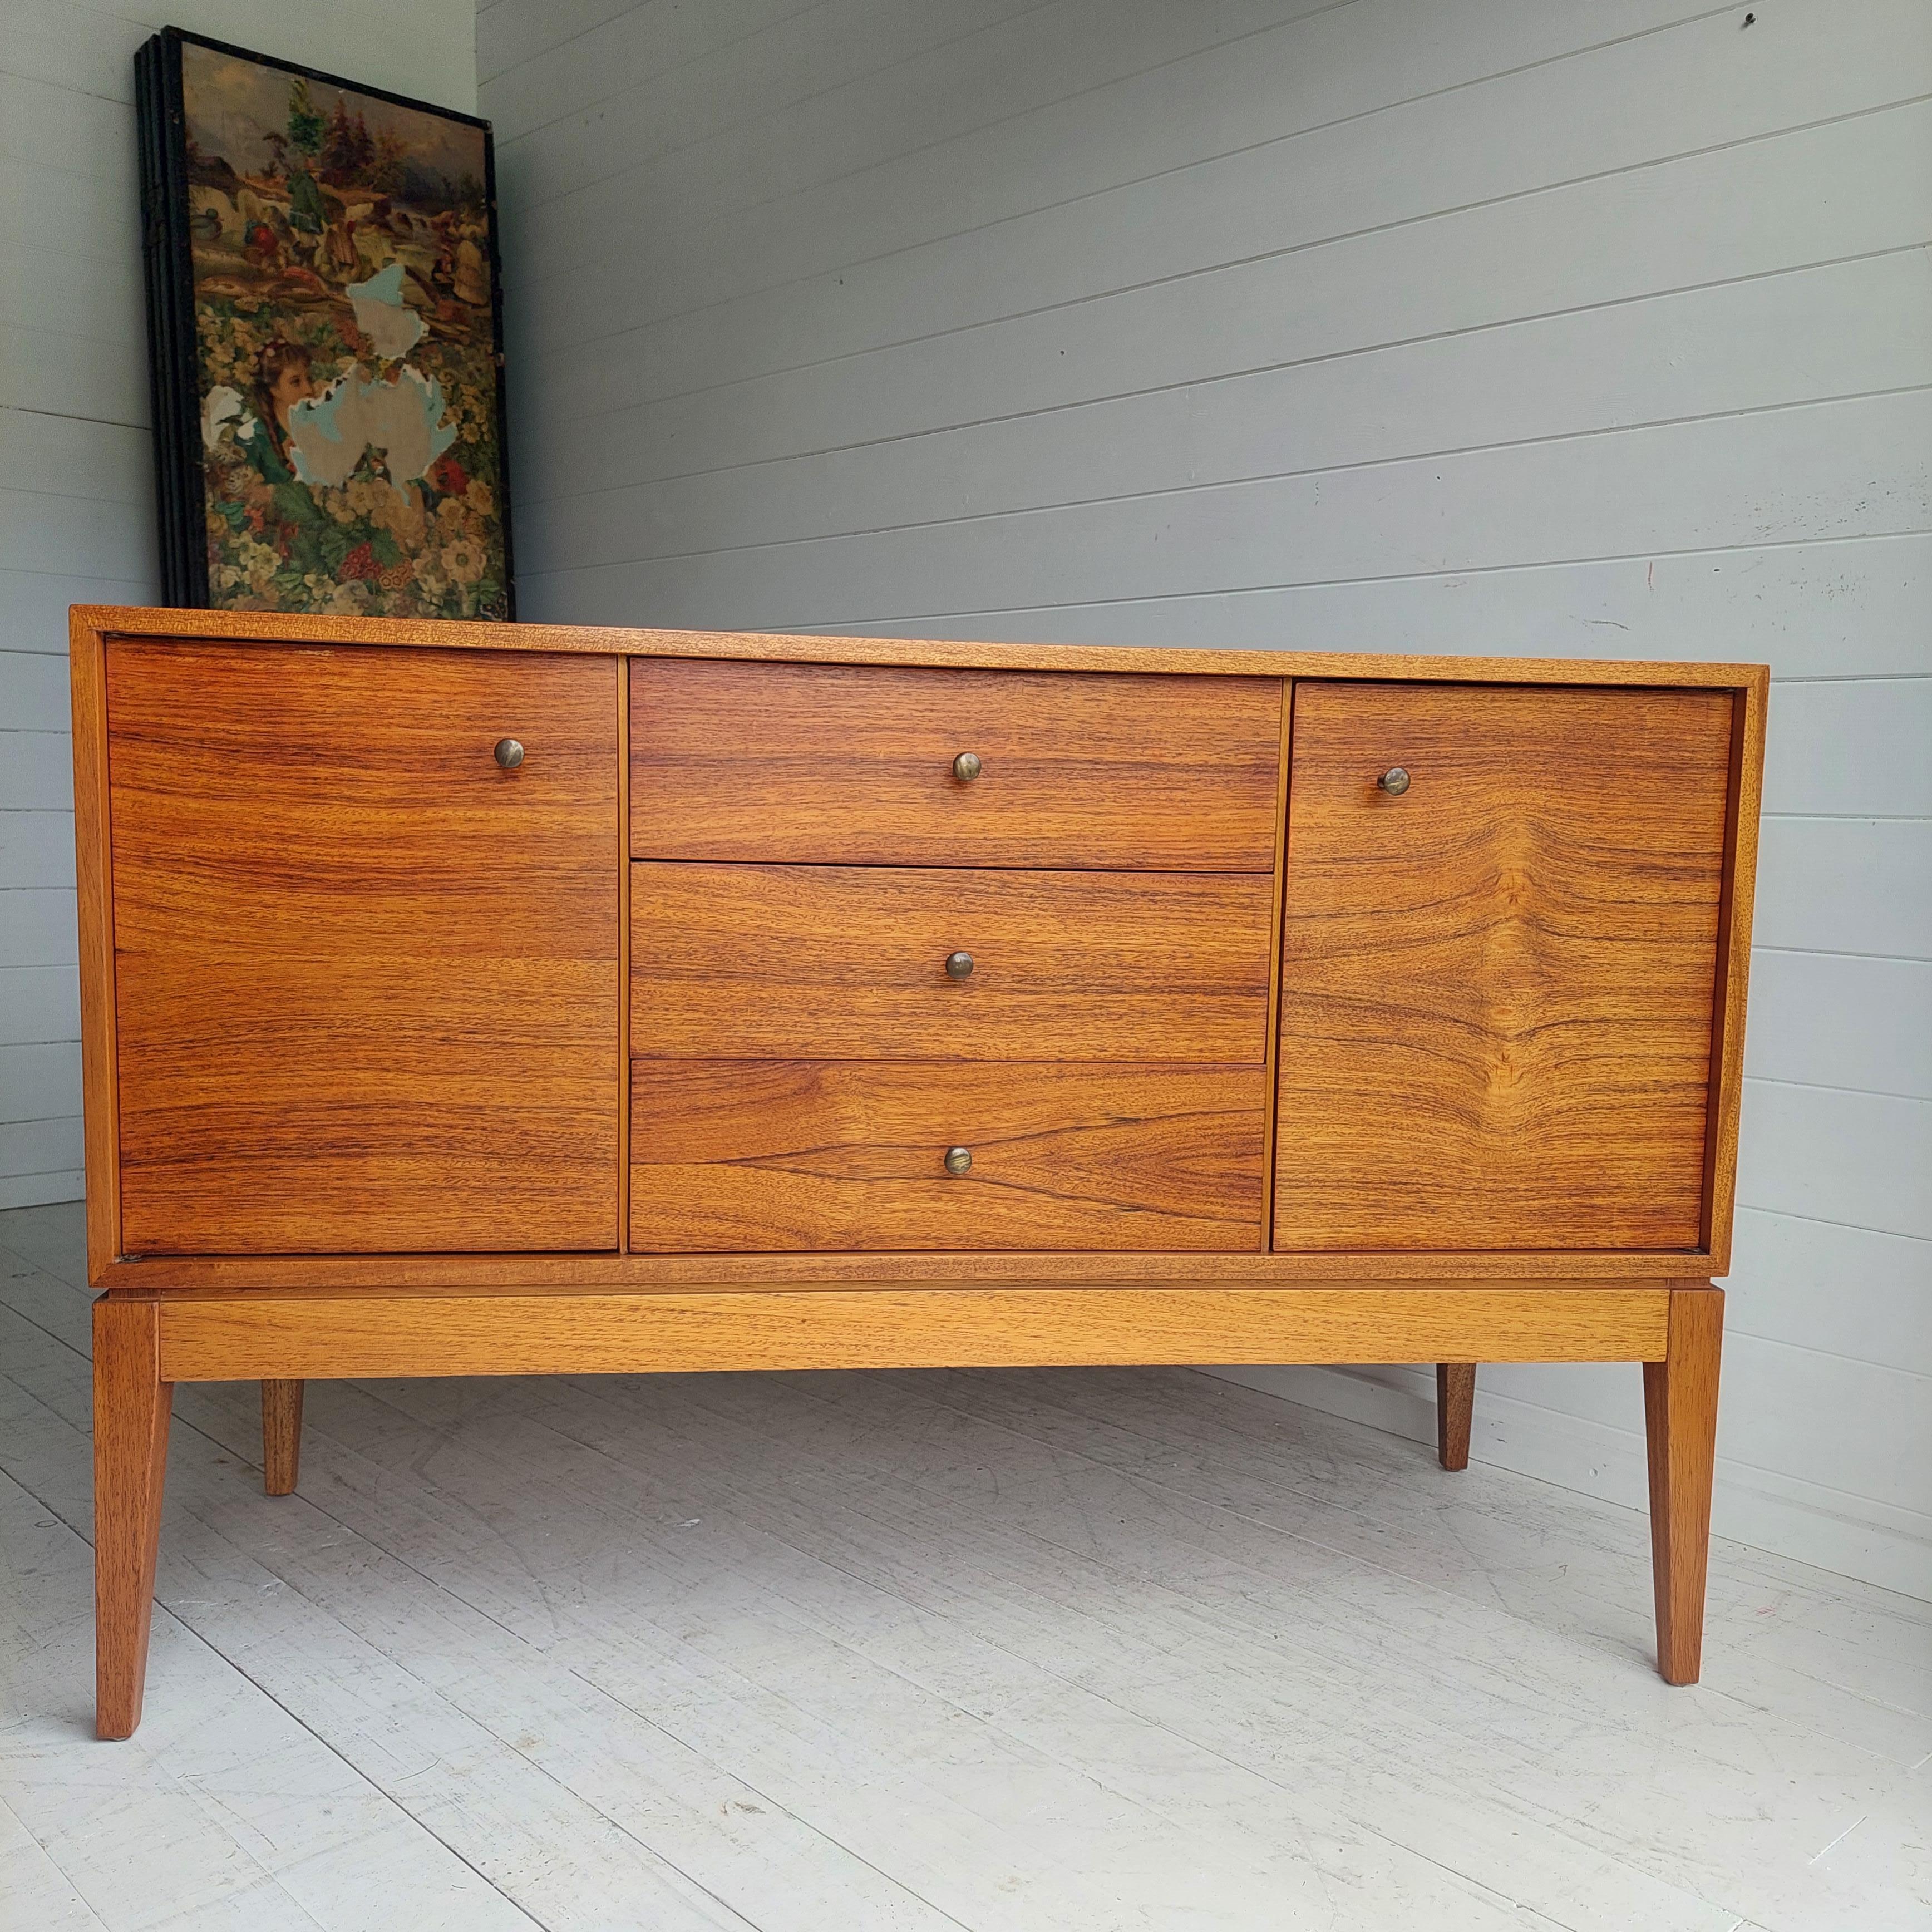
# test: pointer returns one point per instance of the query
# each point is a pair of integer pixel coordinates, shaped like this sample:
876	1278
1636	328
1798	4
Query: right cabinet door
1497	981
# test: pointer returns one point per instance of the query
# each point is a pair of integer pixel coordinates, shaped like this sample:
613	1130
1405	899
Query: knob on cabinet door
958	1160
966	767
959	964
1394	782
509	754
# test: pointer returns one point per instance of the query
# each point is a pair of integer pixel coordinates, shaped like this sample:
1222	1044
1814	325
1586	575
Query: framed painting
326	341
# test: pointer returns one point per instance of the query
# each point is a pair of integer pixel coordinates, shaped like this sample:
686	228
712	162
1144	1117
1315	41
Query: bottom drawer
733	1155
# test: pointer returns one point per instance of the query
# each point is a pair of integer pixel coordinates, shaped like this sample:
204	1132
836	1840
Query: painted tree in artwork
303	136
349	150
305	123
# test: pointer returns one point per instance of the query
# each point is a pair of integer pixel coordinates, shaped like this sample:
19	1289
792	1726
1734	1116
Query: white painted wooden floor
1100	1649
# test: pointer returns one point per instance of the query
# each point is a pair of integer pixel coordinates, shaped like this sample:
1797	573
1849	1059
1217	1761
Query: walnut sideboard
510	1000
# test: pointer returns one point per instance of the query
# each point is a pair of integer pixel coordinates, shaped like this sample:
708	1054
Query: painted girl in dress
283	378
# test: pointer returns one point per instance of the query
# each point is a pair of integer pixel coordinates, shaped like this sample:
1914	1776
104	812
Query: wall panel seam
1525	319
808	624
1258	482
1247	372
1826	1221
1204	160
1738	1330
1829	952
618	11
1818	1220
1826	1087
765	293
725	131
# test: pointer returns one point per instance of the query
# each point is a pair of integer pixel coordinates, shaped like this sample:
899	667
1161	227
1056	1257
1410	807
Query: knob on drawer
966	767
959	964
1394	782
958	1160
509	754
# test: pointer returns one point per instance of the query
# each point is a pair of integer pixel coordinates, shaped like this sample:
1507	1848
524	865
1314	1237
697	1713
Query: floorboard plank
1002	1651
224	1809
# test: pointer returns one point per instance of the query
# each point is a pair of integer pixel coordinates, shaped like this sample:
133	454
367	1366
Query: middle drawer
835	962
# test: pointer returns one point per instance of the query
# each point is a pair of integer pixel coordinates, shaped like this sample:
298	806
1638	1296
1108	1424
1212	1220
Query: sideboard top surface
101	620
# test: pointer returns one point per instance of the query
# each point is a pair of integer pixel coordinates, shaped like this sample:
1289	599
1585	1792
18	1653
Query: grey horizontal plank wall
1596	329
76	484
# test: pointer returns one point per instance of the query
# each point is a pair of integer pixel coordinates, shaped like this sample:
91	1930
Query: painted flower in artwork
347	342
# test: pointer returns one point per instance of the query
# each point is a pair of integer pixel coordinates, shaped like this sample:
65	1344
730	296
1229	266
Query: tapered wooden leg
1680	1404
1455	1403
131	1408
281	1436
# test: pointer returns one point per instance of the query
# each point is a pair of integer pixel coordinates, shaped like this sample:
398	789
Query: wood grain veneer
830	962
269	1274
206	1337
828	764
748	1155
133	1400
389	1055
1455	1406
93	838
1274	964
365	981
97	621
1733	972
1497	988
1680	1403
281	1436
623	856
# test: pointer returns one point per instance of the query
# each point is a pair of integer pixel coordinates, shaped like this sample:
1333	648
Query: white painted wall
77	479
1576	327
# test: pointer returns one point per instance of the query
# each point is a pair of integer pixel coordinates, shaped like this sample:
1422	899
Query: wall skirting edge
1849	1536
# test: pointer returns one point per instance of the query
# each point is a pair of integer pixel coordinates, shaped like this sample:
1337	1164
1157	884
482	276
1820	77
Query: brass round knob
966	767
509	754
958	1160
959	964
1394	782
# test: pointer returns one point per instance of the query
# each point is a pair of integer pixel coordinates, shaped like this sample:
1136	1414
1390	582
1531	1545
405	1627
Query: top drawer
844	764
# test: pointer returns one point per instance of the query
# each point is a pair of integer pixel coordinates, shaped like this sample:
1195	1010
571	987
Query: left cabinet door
365	972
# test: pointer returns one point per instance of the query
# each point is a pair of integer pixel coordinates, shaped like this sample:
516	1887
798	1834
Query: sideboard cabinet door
365	953
1499	966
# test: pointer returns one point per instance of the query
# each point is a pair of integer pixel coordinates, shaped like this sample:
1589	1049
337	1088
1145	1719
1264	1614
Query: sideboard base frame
145	1343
